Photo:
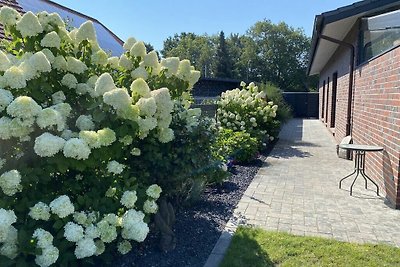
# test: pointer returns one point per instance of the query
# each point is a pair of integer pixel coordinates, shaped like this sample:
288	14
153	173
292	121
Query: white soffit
325	49
106	40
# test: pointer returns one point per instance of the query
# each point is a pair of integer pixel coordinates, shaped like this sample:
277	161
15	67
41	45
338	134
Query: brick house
108	41
356	52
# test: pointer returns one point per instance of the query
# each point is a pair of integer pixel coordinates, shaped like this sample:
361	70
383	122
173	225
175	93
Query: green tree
223	66
234	44
282	53
274	53
199	50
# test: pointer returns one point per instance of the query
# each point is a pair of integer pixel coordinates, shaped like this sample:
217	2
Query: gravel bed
199	226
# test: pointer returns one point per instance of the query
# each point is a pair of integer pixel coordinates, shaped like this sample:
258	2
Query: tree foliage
282	53
198	49
223	66
268	52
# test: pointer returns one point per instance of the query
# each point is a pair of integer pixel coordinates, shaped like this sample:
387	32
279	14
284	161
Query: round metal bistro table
359	163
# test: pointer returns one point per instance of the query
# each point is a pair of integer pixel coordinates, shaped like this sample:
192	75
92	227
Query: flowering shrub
186	162
284	112
72	121
239	146
247	109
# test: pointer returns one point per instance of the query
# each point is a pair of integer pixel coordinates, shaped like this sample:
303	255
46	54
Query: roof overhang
106	38
337	24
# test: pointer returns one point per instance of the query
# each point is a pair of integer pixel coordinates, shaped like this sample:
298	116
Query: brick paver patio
296	191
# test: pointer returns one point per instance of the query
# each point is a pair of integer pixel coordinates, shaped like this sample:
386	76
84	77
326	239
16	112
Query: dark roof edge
87	17
354	9
339	14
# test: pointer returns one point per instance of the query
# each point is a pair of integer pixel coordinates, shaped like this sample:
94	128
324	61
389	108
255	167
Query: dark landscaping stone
199	226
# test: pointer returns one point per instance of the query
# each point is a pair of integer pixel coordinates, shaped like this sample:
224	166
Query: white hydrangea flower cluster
18	71
245	109
47	145
23	111
150	206
103	137
10	182
181	69
154	191
6	98
76	148
23	107
29	25
133	226
58	97
49	252
128	199
7	218
86	32
83	233
85	123
9	16
9	247
41	211
62	206
115	167
108	228
85	247
50	118
51	40
75	65
73	232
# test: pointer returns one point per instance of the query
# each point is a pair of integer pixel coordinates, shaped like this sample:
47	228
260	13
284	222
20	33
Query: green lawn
255	247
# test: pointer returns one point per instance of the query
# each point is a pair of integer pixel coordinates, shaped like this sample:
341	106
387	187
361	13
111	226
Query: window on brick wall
378	34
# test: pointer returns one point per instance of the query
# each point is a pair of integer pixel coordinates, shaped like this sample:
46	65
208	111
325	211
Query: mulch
199	226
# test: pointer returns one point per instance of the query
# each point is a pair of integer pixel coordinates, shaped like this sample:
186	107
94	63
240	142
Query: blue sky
154	21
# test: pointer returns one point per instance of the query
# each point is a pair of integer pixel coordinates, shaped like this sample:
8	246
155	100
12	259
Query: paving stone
297	191
301	177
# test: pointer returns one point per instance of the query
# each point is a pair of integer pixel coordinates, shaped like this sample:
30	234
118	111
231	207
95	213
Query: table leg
361	165
340	182
358	163
351	187
359	168
366	176
347	176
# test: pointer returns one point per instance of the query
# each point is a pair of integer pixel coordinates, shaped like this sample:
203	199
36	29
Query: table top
361	147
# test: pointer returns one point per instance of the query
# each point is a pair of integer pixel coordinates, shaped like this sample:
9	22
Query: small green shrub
239	146
284	112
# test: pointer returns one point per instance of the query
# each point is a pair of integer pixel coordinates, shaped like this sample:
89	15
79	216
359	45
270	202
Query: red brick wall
377	118
339	63
376	112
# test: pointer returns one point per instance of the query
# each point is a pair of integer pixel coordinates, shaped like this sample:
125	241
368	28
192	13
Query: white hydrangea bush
247	109
71	119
